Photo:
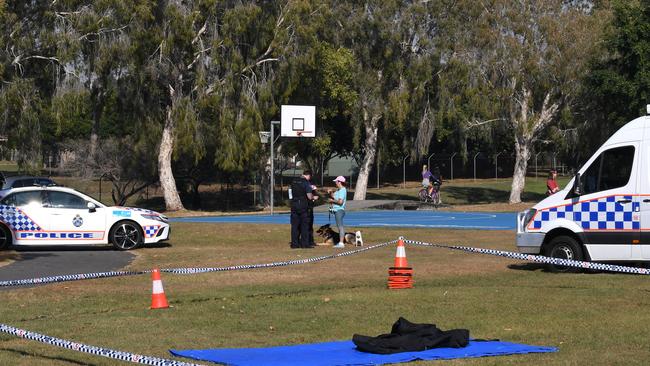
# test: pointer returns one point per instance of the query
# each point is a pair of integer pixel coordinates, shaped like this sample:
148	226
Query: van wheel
5	237
126	235
564	247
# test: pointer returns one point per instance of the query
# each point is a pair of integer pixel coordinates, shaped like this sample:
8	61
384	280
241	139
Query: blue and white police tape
71	277
87	276
98	351
275	264
539	258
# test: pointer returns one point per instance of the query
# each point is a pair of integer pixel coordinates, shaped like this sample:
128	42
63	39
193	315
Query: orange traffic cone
401	275
400	255
158	299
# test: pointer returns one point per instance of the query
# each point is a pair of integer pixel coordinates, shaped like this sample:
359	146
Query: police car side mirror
91	207
577	191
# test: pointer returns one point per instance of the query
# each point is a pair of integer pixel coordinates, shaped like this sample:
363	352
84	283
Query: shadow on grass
156	245
233	200
37	356
542	267
528	267
475	195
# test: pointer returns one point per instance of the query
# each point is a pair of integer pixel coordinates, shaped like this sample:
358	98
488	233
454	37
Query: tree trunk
166	176
522	151
370	149
98	109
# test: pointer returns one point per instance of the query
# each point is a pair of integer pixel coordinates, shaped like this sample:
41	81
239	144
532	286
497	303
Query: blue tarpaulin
345	353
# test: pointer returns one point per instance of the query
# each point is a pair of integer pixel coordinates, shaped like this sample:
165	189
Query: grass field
595	318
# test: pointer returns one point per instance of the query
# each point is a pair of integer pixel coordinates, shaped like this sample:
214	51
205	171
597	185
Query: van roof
631	131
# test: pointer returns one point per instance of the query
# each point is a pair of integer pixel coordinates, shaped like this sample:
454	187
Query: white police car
63	216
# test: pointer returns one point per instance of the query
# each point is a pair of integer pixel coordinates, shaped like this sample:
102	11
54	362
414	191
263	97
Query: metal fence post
404	170
536	164
496	166
429	160
451	161
475	165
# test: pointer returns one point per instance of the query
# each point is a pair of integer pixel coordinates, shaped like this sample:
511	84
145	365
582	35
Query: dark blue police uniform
300	205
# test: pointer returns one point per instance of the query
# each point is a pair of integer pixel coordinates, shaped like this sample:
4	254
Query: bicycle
434	197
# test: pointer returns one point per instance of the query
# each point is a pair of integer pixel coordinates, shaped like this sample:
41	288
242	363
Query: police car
63	216
603	214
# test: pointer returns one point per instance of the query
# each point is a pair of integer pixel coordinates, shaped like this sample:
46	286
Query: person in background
301	199
551	183
426	178
337	199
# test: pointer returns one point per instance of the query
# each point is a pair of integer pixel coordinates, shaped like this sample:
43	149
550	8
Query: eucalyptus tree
384	38
530	56
94	43
208	69
29	65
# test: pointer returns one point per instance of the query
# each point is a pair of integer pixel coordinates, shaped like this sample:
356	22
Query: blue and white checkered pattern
598	214
16	219
150	230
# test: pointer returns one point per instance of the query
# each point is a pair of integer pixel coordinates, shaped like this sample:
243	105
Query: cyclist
426	178
436	182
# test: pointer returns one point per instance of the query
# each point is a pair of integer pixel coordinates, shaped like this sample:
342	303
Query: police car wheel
563	247
126	235
5	237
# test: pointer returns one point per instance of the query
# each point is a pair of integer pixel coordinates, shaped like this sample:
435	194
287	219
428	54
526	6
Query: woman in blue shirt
337	200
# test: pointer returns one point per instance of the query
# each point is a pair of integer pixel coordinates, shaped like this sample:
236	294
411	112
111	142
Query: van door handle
624	201
646	200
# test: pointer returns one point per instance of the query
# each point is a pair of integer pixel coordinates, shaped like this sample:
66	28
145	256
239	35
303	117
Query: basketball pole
272	160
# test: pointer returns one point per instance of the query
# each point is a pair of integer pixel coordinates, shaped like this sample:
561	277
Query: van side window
612	169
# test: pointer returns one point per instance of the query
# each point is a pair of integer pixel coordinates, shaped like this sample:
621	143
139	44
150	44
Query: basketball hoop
265	136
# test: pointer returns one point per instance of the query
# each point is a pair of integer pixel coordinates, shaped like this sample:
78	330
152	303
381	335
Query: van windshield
612	169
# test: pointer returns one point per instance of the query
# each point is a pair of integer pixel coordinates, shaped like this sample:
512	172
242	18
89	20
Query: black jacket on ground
408	337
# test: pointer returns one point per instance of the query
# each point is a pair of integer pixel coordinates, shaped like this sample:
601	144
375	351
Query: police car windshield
31	182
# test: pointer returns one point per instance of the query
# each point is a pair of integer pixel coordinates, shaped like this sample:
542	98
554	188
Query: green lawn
594	318
7	166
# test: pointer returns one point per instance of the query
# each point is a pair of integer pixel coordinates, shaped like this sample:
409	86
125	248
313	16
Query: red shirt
551	184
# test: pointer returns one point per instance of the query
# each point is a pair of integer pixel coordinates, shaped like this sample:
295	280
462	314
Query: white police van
62	216
603	214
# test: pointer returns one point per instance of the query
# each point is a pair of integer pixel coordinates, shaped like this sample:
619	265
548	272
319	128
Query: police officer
301	200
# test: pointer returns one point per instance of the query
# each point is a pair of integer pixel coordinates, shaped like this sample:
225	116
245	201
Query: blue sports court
384	218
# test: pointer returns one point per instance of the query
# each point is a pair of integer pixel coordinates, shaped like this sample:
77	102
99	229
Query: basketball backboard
298	121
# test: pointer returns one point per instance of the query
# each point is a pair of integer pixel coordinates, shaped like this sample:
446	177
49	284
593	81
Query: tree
618	84
530	56
384	39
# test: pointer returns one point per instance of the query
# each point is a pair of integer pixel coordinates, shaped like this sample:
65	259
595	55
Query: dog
331	237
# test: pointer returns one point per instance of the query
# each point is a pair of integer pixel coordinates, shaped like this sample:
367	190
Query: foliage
618	87
412	71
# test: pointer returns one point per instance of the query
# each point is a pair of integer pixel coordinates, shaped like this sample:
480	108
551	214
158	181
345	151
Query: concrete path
51	261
